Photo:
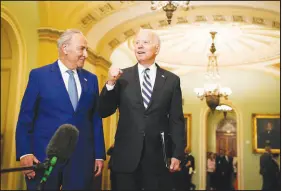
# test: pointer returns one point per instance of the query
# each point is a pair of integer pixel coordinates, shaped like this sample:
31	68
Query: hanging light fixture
225	109
169	7
212	91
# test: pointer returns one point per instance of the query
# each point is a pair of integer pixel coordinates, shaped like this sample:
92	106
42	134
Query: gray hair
156	37
66	36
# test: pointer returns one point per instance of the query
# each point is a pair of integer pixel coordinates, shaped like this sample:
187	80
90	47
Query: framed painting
266	132
188	124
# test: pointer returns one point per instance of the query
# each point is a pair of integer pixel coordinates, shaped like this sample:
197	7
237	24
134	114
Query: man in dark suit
190	169
222	171
149	101
56	94
183	179
269	170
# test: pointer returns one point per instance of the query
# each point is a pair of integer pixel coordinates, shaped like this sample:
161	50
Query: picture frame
266	132
188	127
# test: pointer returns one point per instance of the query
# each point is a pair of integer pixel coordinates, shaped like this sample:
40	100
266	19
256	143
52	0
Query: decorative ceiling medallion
259	21
129	33
218	18
88	19
181	20
114	43
200	18
237	18
146	26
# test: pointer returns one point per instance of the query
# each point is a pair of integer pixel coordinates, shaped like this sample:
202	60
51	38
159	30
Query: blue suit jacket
46	106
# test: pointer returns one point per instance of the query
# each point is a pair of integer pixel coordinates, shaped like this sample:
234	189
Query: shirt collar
63	67
141	68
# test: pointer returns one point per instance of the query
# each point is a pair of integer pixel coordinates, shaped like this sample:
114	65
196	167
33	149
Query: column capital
52	35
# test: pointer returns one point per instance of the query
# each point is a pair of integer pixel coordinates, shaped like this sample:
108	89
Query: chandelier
212	91
169	7
225	109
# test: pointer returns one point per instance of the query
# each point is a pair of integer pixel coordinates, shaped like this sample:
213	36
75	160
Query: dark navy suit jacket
46	106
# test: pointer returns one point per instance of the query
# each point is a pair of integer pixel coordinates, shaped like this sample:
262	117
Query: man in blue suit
56	94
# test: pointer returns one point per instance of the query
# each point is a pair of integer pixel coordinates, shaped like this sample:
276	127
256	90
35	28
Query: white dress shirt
141	70
65	76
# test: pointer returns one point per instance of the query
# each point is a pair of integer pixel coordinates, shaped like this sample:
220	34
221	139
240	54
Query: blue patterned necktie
147	89
72	89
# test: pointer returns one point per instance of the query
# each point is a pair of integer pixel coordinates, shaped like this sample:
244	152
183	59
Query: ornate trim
20	68
49	34
97	60
52	35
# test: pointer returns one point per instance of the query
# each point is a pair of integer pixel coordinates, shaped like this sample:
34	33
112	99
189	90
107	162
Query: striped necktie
72	89
146	88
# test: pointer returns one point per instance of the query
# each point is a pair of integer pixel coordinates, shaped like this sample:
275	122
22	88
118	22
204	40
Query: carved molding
158	24
52	35
49	34
97	60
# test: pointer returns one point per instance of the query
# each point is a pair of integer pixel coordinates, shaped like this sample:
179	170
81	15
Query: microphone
60	148
35	167
63	142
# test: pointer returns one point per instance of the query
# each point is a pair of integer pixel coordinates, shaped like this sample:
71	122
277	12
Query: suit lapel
159	82
59	82
84	86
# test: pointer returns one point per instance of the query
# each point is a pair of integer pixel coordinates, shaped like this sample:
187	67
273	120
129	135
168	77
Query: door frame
203	145
19	67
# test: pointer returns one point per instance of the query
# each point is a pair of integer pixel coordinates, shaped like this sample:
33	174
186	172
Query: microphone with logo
59	149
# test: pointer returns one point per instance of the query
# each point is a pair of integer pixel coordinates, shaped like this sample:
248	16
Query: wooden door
226	141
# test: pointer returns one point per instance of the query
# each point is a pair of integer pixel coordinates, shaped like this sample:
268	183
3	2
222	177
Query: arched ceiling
116	26
248	33
247	39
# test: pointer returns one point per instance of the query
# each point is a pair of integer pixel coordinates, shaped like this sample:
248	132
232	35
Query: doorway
222	136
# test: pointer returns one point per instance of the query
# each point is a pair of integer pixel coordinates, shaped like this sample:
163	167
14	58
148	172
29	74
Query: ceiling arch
106	34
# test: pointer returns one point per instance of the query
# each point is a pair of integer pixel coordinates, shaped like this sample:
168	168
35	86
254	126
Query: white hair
66	36
155	36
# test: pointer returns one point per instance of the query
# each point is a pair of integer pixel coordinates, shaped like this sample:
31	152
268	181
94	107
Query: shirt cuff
24	156
100	159
110	87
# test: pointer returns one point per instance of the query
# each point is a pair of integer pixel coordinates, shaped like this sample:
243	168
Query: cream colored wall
22	22
251	160
250	178
47	52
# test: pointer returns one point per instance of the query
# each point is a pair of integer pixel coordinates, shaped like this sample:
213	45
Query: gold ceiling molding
97	60
181	20
158	24
276	66
114	43
49	34
101	11
52	35
146	26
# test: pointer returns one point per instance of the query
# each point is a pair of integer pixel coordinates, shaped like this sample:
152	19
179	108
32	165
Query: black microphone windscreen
63	142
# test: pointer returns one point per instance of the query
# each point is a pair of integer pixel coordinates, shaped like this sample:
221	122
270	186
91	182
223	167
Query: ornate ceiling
248	38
